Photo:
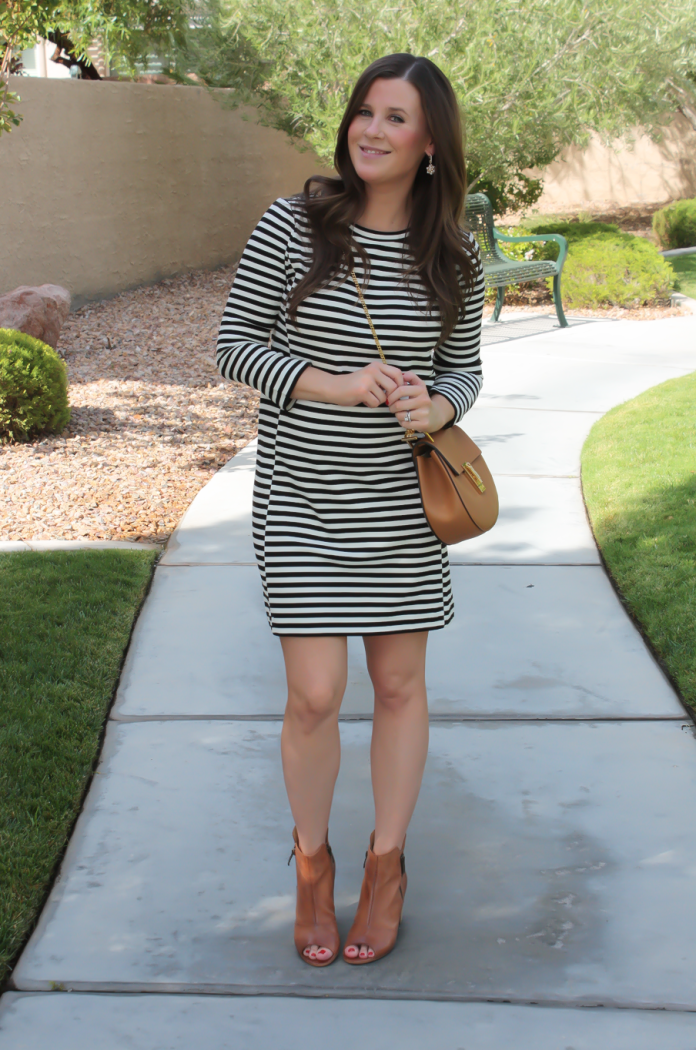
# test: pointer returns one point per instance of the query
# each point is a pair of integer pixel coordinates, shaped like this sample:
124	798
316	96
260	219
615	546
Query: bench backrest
479	219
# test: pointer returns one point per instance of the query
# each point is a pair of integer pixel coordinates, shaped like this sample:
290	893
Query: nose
374	128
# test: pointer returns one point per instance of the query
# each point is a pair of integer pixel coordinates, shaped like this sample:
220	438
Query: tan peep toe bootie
315	919
381	902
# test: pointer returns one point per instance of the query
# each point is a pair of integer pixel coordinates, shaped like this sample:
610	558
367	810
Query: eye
395	116
364	112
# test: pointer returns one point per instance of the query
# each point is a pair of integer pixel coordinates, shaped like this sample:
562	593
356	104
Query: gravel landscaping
151	419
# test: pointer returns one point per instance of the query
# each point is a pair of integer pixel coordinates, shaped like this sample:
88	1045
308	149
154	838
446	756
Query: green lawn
639	481
65	620
685	268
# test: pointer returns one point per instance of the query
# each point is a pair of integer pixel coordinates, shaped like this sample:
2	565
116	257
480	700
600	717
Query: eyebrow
392	109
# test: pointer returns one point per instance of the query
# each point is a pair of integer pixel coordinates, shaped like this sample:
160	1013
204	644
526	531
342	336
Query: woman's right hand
368	386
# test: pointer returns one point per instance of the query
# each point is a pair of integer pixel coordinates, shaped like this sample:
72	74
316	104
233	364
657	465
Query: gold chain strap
410	435
367	315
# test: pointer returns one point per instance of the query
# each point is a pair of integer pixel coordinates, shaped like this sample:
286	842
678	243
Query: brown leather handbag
459	496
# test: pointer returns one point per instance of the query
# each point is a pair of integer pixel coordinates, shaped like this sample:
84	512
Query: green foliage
602	271
605	267
532	75
129	30
684	267
639	484
65	619
513	193
572	230
33	388
9	117
675	225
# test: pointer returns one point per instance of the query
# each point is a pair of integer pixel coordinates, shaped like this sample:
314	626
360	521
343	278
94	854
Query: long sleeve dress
341	539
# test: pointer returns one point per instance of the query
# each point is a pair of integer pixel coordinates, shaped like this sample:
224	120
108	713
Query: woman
341	539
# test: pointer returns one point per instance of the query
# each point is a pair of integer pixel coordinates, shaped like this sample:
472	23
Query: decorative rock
40	312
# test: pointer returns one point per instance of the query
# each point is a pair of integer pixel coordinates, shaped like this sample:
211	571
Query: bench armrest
557	237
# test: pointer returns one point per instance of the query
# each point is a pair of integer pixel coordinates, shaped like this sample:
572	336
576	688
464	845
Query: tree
532	76
128	30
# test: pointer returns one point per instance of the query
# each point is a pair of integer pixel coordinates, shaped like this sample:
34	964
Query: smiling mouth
375	152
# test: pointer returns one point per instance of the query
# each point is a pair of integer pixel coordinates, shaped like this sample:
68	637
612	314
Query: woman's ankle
310	842
387	844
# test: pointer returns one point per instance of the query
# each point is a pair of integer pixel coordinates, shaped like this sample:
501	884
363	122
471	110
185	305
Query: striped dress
339	530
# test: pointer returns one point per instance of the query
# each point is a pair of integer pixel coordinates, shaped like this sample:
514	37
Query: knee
313	704
396	693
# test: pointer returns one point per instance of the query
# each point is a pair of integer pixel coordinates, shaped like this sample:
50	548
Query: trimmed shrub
675	225
600	271
605	266
33	388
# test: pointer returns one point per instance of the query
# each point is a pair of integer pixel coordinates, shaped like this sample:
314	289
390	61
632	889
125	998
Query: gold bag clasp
474	475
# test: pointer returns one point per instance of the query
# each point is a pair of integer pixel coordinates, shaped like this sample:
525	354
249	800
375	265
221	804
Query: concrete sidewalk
552	854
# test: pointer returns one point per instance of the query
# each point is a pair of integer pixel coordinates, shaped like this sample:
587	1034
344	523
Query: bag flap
456	446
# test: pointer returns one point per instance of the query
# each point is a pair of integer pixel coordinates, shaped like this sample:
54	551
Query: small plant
603	271
675	225
605	266
33	388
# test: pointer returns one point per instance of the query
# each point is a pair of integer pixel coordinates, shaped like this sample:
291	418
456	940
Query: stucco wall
646	172
109	185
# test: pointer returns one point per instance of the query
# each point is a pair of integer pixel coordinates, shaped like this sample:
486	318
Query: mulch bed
152	420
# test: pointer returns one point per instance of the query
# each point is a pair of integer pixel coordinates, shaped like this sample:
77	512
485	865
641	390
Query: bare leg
400	731
316	670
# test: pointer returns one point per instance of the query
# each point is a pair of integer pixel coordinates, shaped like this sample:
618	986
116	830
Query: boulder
40	312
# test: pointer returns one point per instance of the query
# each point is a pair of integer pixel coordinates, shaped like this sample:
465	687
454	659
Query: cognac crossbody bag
459	496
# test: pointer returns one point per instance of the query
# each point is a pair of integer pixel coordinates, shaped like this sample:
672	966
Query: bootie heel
315	918
381	902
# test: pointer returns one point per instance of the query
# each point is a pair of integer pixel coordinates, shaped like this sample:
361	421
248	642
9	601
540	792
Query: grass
639	481
684	267
65	620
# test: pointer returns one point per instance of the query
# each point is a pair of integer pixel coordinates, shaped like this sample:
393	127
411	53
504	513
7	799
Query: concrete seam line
433	719
332	992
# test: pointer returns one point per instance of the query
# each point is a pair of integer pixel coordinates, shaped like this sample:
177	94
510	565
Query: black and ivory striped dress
341	539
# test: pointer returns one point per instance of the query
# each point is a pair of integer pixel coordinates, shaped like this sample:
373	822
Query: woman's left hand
415	409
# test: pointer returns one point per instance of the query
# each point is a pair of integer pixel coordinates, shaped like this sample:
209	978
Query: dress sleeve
252	309
457	361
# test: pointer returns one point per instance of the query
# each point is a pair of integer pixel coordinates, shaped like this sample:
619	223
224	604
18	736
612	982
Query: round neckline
380	233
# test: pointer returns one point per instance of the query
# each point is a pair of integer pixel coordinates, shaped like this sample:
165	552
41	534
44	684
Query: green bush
604	267
33	388
601	271
675	225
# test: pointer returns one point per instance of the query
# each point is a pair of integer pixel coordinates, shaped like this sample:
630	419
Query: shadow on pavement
522	327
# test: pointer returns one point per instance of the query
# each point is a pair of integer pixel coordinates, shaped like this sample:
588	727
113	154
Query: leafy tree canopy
532	76
128	31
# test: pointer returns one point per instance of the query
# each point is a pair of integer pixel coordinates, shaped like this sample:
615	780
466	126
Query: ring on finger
407	417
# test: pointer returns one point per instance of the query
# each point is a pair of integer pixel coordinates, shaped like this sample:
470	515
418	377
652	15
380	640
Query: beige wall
647	172
109	185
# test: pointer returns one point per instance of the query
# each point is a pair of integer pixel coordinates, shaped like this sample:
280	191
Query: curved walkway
552	854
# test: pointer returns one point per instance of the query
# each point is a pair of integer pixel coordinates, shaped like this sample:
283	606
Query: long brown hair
434	238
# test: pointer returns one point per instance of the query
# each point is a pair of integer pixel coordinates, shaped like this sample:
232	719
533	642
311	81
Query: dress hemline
323	633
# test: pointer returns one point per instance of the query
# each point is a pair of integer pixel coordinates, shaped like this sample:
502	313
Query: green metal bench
498	269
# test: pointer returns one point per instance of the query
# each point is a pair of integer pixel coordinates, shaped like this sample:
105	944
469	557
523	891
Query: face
389	136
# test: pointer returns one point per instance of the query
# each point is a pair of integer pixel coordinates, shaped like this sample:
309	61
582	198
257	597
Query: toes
314	951
358	951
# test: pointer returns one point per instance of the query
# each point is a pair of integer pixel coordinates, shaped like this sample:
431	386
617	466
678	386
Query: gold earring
431	167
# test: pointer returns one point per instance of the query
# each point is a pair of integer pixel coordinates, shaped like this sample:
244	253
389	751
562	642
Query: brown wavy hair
434	238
